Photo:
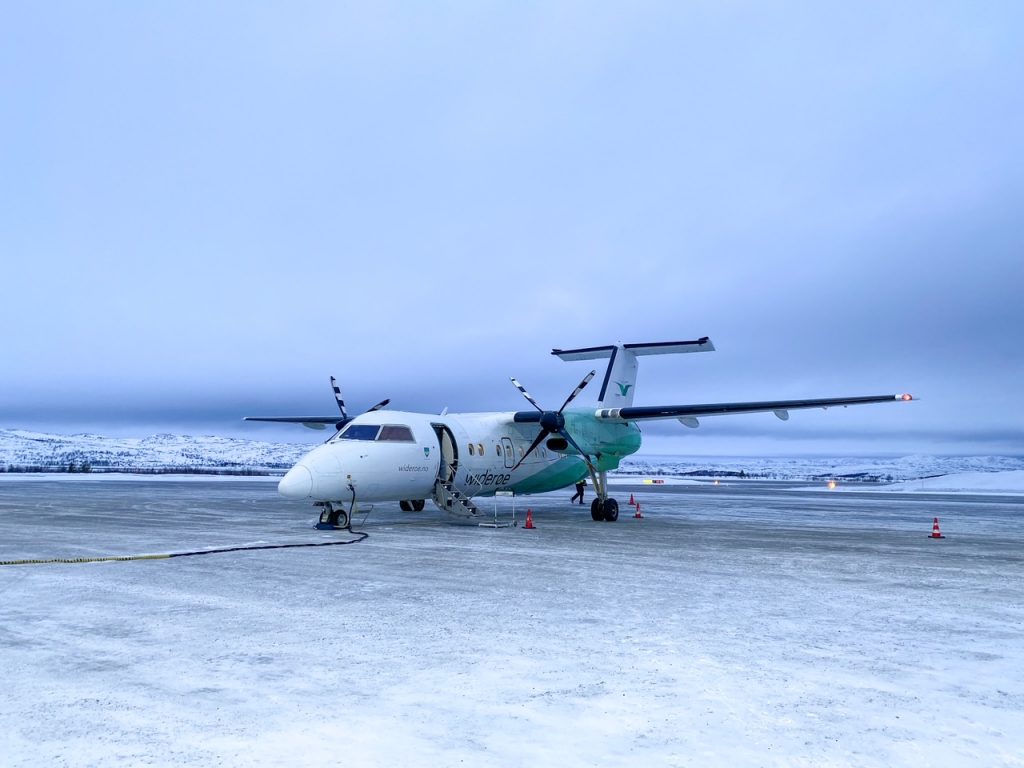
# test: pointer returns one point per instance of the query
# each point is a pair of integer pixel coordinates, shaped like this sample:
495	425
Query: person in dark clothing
579	491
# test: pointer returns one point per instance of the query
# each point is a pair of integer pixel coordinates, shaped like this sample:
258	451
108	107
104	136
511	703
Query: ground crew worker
579	491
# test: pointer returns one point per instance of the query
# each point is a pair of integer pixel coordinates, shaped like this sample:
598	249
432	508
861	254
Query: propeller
345	419
551	422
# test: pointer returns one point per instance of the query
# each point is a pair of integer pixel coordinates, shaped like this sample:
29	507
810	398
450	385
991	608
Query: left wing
311	422
688	413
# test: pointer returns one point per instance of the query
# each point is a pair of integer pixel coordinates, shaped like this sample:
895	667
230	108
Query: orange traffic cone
631	502
936	533
638	516
529	520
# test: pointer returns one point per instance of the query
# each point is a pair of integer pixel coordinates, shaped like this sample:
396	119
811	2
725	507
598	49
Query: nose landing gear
332	518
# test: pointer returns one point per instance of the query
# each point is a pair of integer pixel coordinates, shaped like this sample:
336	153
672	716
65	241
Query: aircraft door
449	453
508	451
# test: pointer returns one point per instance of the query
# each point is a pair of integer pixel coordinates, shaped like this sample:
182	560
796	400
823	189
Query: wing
688	413
313	422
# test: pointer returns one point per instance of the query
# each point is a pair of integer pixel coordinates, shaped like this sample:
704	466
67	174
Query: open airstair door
619	384
447	495
449	463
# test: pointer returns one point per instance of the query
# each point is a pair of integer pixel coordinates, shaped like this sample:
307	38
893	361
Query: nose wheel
332	517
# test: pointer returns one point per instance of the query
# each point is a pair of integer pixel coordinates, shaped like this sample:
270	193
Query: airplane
387	456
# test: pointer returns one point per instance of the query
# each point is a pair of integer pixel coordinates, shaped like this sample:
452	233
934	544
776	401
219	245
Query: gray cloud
201	224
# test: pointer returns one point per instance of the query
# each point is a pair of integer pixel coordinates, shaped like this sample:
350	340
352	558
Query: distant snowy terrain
817	468
22	450
1008	482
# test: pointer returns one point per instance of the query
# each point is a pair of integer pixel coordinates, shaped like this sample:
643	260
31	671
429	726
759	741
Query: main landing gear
604	509
332	517
414	505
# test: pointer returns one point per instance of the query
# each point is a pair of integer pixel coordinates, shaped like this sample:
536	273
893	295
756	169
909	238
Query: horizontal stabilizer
619	384
702	344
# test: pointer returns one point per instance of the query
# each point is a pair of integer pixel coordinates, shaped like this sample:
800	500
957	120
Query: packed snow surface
743	624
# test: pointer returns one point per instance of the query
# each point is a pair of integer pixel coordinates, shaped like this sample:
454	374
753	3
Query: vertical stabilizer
619	380
619	383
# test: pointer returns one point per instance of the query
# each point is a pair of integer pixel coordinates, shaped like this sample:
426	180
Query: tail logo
623	388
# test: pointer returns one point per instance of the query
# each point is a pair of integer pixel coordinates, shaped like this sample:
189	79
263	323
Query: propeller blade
527	395
540	438
338	398
586	457
345	419
553	422
570	398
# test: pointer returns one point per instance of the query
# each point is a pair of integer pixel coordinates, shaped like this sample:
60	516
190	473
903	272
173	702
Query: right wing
781	408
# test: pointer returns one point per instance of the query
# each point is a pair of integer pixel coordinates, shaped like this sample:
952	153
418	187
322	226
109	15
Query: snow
742	624
21	448
876	468
1010	483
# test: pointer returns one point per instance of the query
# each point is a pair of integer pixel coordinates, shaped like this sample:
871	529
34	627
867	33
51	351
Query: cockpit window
360	432
395	433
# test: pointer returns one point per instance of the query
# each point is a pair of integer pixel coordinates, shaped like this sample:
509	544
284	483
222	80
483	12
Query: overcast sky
206	209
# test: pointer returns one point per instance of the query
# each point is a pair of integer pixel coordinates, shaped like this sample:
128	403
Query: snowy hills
817	468
22	450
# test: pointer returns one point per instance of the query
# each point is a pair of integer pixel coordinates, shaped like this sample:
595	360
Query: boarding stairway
453	501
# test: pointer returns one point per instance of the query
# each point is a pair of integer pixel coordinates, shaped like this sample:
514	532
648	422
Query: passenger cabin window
470	449
480	448
395	433
360	432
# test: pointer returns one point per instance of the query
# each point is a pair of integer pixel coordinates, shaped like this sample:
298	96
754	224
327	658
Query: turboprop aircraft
383	455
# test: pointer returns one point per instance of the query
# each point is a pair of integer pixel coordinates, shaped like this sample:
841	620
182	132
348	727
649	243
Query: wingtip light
906	397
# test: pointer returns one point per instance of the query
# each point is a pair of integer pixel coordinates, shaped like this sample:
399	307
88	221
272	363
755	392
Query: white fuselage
477	451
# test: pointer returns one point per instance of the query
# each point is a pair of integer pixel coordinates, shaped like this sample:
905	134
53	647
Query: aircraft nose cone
297	483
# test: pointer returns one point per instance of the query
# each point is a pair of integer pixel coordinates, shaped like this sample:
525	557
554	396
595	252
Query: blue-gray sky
207	209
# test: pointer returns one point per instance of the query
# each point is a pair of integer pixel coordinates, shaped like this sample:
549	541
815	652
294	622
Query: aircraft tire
418	504
611	510
405	506
596	510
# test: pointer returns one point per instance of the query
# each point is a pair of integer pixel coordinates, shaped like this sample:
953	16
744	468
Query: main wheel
405	506
611	510
418	504
596	511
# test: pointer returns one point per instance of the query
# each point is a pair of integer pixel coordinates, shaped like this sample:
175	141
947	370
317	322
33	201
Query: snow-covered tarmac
743	624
